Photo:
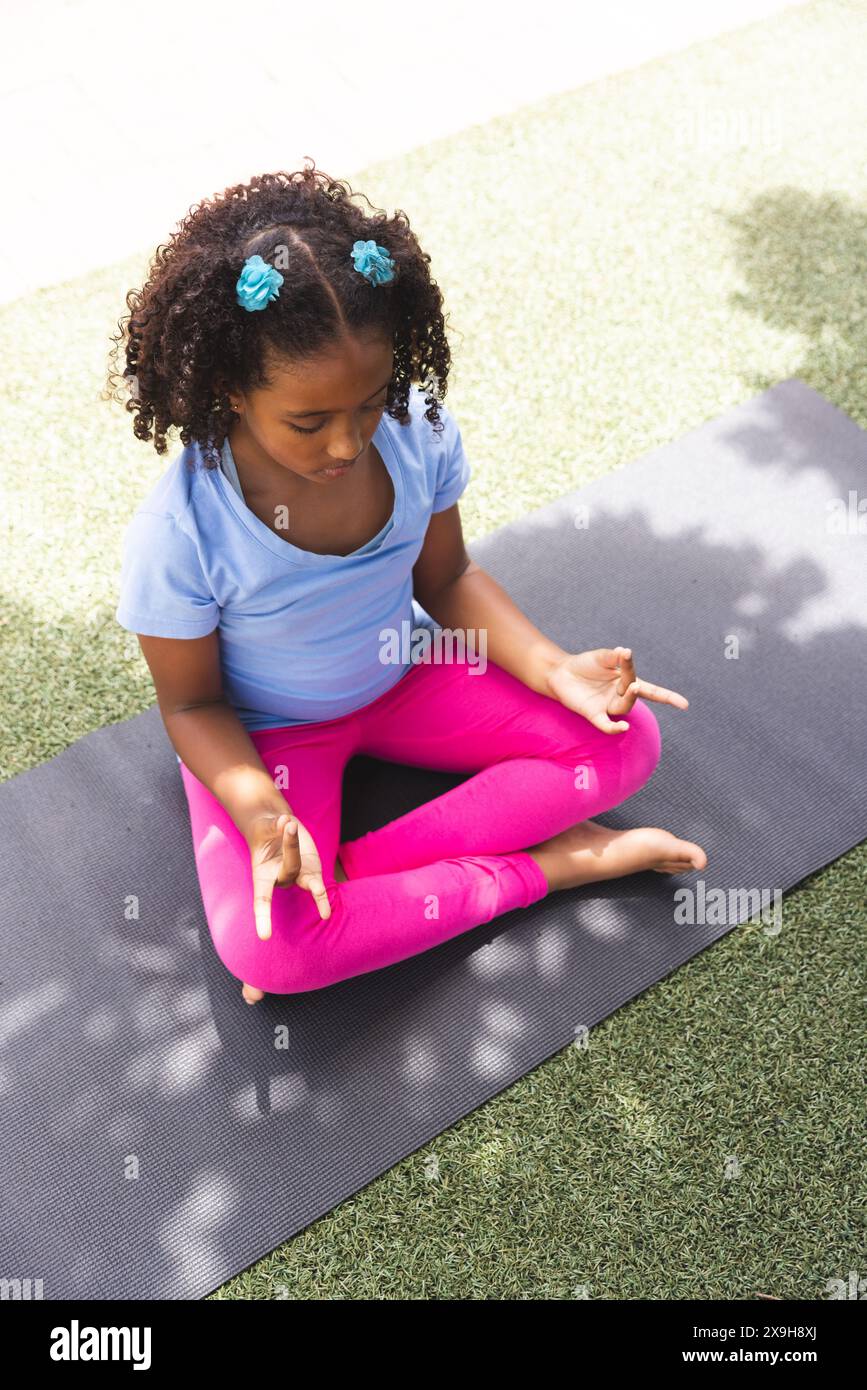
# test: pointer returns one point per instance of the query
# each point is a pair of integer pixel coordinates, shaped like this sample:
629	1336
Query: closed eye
299	429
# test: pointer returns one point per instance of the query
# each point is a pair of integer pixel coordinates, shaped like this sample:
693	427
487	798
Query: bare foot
589	852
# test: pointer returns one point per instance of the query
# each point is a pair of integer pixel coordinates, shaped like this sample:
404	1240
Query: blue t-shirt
300	634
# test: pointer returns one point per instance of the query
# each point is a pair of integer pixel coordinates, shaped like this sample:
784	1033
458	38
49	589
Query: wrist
544	662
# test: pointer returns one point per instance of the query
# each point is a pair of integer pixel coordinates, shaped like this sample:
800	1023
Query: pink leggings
451	864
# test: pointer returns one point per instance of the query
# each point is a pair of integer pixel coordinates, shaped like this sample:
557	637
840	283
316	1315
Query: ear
235	400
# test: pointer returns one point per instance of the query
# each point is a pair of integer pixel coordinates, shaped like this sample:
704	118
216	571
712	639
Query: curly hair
188	343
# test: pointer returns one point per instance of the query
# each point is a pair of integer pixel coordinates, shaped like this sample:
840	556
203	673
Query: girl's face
318	417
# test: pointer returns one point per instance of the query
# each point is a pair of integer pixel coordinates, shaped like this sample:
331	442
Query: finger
648	691
320	895
619	660
626	699
262	913
626	669
601	721
613	657
291	861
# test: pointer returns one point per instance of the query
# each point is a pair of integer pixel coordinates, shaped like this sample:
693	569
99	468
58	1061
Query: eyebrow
304	414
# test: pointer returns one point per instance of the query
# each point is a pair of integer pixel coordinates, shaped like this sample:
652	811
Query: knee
642	745
306	953
299	954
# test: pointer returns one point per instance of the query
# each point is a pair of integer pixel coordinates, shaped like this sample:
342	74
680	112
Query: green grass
620	263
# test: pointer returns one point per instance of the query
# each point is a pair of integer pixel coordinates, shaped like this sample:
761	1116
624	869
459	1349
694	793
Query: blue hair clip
373	262
258	284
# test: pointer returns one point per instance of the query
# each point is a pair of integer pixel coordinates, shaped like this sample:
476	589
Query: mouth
337	470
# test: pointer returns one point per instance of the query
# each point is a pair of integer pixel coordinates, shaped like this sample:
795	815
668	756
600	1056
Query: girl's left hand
603	682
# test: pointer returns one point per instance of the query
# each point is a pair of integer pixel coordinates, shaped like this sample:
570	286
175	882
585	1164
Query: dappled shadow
802	257
162	1133
136	1039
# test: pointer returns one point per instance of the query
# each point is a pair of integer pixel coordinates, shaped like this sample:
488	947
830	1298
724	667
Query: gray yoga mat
155	1141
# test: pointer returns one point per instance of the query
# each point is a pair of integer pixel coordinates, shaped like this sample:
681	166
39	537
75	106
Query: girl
311	516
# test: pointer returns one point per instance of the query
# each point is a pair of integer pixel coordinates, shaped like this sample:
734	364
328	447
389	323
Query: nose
352	441
341	459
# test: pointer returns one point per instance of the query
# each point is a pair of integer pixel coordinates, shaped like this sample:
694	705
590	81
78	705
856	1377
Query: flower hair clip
257	284
260	282
373	262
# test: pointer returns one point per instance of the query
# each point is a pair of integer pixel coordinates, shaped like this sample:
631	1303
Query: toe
675	866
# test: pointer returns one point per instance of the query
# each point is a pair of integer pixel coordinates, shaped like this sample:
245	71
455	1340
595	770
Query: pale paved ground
116	118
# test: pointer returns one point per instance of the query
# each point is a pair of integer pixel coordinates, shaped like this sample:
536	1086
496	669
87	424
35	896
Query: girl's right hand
282	852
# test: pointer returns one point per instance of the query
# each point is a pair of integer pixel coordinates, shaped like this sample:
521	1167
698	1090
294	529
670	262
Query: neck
257	470
262	478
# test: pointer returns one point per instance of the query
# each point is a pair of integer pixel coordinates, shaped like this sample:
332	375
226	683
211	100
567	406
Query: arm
205	731
458	593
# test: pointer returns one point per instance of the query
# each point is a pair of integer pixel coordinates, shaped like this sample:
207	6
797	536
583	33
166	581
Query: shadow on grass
803	258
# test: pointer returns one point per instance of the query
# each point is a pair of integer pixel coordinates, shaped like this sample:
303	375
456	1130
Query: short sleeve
453	471
163	591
